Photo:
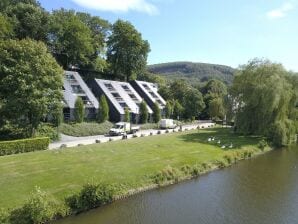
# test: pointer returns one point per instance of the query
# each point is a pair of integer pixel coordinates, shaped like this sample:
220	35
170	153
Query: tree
143	112
79	112
177	110
70	40
29	21
216	108
156	113
265	101
126	115
127	52
30	84
169	108
6	29
193	104
103	111
214	91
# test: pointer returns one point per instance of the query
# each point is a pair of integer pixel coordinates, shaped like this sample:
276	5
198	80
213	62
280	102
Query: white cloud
119	5
280	12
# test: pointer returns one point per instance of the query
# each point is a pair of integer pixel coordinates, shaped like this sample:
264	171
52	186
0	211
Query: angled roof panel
121	95
74	86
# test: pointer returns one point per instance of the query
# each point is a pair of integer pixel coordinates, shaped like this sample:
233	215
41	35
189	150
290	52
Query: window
125	87
70	77
123	105
153	94
109	86
86	100
133	97
77	89
117	96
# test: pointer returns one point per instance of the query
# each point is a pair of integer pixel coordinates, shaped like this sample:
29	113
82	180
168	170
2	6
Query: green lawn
128	163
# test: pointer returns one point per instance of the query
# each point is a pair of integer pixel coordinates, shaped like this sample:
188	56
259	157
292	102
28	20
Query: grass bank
130	164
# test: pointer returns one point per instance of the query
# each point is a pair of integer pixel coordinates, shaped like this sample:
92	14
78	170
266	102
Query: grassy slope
124	162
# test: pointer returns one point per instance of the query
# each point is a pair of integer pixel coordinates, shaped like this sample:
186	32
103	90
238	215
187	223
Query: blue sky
228	32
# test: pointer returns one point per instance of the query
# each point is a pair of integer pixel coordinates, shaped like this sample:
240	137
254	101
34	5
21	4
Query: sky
228	32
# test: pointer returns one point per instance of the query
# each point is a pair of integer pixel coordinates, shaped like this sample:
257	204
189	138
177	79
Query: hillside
193	72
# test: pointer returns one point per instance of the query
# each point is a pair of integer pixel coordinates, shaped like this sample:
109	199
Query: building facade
74	87
149	92
120	95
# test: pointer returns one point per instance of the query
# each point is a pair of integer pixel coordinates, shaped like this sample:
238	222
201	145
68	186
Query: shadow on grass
222	137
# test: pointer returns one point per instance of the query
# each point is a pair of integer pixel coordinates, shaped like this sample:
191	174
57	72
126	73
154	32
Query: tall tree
265	101
127	52
143	112
216	108
169	108
156	113
30	84
79	112
103	111
193	103
70	40
29	21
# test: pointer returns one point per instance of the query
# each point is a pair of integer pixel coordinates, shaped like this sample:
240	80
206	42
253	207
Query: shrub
23	145
149	126
143	113
91	196
4	216
47	130
79	110
156	113
86	129
103	112
166	175
262	144
126	115
39	208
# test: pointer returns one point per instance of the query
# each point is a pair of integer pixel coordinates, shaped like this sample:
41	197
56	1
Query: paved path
70	141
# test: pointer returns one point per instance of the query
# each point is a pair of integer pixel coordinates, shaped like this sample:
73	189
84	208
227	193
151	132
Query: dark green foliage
79	110
24	145
169	109
127	52
103	111
48	130
262	144
177	110
6	28
156	113
91	196
126	115
193	72
86	129
143	112
29	21
70	40
4	216
193	104
39	208
30	71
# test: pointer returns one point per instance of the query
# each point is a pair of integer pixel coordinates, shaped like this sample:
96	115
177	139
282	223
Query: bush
91	196
86	129
4	216
79	113
47	130
103	111
156	113
143	113
149	126
23	145
166	175
262	144
40	208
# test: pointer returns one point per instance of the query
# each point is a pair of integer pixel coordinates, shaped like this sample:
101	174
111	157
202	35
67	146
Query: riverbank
132	164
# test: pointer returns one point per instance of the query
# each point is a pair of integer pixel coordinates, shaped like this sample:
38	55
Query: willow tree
266	100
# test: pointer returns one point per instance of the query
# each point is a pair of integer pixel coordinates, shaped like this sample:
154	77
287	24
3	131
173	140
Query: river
261	190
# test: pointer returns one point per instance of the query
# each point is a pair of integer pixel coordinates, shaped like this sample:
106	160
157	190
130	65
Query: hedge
24	145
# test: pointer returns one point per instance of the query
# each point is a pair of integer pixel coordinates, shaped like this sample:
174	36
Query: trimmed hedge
24	145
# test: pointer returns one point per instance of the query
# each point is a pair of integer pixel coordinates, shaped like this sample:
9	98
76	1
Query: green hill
193	72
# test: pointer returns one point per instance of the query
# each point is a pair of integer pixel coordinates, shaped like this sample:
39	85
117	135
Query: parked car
167	124
123	128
